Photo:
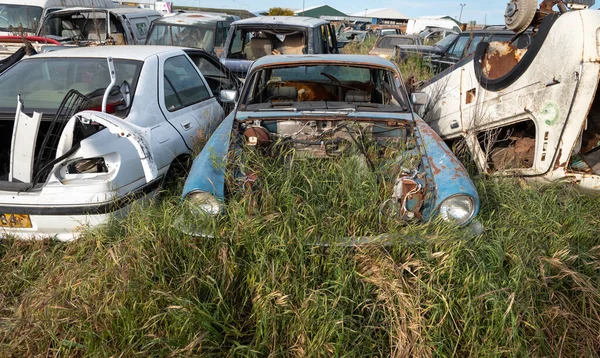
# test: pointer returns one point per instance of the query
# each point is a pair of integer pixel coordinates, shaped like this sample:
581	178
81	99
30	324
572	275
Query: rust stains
500	59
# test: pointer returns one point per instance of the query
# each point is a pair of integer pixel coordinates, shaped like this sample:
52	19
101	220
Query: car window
251	43
183	85
473	45
43	83
217	78
458	48
141	27
446	41
325	83
390	42
185	36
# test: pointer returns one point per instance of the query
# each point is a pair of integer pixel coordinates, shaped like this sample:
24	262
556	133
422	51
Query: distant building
419	24
383	16
318	11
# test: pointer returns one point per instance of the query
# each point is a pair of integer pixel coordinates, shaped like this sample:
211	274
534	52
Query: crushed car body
322	108
86	132
532	112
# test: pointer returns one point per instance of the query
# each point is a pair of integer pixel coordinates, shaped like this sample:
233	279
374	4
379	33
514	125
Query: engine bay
385	150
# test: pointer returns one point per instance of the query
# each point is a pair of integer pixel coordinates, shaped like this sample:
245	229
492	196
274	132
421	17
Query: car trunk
36	141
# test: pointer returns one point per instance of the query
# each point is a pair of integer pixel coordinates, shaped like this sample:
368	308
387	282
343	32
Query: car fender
208	168
138	136
448	173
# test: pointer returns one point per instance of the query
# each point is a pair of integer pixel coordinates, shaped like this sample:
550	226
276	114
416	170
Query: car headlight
204	201
458	209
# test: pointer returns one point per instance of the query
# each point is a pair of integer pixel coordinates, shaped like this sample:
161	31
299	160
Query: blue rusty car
321	105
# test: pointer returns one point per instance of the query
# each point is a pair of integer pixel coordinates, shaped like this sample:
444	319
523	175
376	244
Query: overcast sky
482	11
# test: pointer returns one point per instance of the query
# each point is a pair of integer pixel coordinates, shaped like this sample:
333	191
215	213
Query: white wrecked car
96	129
531	112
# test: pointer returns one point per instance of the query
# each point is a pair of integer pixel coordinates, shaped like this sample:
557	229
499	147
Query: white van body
24	17
537	118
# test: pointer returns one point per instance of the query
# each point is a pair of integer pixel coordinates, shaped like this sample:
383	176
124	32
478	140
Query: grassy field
258	286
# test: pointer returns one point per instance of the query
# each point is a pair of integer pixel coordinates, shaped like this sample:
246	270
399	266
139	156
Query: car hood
351	116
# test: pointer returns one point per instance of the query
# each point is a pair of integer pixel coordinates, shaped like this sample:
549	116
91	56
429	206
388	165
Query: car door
186	99
216	75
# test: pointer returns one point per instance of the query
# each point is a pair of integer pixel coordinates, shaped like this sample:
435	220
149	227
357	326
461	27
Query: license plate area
20	221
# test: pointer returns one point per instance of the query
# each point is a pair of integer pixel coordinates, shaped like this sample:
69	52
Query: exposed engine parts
384	149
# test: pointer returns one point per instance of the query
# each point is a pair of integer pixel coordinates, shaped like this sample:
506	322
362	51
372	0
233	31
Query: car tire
519	14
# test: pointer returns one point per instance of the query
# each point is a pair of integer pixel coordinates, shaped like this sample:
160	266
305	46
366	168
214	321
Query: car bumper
67	222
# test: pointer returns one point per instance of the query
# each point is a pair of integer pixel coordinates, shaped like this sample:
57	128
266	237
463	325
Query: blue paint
449	175
208	170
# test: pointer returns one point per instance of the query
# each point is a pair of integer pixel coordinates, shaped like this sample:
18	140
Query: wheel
519	14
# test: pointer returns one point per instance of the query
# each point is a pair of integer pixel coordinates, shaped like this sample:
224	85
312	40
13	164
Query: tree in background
280	11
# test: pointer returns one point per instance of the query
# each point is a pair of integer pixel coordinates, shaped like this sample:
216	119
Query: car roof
116	10
307	59
185	18
283	20
130	52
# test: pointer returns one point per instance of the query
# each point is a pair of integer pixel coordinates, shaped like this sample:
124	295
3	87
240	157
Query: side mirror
419	98
341	44
228	96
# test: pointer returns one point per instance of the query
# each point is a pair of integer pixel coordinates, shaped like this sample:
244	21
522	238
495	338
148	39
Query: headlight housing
458	209
205	202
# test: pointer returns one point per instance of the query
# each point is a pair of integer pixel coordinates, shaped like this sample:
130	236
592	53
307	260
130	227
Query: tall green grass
257	285
528	286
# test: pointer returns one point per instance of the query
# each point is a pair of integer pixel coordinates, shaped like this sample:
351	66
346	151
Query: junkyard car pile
84	132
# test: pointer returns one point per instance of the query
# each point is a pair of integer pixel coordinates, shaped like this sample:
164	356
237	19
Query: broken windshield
254	43
43	83
391	41
187	36
298	85
19	18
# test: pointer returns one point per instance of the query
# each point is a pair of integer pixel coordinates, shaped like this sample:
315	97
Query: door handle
186	125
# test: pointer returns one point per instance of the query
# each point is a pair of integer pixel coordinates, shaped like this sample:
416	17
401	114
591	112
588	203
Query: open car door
216	74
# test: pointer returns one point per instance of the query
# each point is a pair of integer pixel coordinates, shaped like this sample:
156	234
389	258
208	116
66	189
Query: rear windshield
186	36
390	42
254	43
42	83
19	18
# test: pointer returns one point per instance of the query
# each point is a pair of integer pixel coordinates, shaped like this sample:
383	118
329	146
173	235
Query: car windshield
187	36
446	41
391	41
254	43
42	83
326	86
19	18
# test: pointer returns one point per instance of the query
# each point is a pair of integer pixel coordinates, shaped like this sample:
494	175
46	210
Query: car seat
258	47
293	45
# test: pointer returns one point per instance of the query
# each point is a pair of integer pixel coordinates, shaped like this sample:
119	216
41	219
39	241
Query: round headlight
204	201
458	209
